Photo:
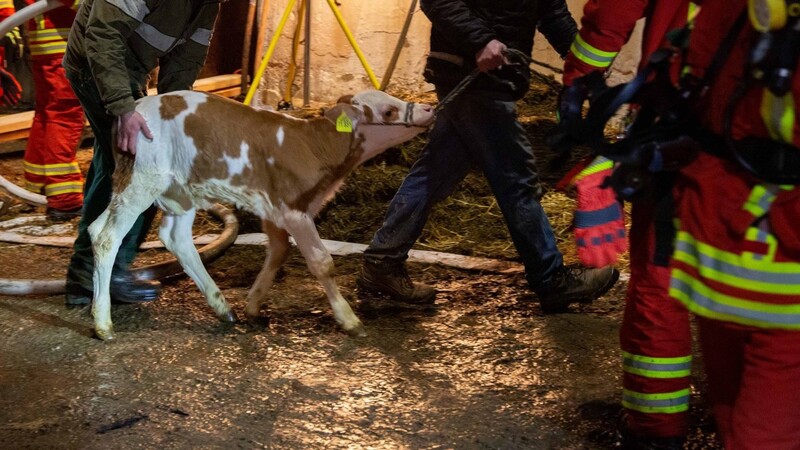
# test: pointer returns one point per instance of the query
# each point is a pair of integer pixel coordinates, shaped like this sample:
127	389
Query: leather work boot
650	443
575	285
125	288
393	279
630	441
62	215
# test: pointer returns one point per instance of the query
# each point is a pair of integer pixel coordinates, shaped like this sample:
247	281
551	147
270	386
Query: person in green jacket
113	47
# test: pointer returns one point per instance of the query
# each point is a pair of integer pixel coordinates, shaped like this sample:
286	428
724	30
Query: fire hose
164	269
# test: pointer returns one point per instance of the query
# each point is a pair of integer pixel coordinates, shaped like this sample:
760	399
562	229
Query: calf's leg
176	234
107	232
278	251
320	263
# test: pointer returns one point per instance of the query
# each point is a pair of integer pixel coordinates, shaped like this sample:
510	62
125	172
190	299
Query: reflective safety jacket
737	250
6	10
604	30
737	253
121	41
47	33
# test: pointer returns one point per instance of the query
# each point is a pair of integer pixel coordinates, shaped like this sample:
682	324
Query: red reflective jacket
604	30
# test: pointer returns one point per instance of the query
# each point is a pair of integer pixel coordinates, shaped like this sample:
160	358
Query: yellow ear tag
344	124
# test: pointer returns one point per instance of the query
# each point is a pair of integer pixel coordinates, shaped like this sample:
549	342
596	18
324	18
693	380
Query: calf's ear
348	99
353	113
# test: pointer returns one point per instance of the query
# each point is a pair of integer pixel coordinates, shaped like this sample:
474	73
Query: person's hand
10	90
491	56
129	125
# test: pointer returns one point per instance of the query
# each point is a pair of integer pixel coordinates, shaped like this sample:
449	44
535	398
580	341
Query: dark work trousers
477	129
98	187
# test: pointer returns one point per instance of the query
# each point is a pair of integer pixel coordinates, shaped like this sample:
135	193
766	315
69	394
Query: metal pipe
400	41
271	48
307	57
248	38
353	43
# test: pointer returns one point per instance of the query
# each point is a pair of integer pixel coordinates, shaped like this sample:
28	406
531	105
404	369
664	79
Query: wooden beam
15	127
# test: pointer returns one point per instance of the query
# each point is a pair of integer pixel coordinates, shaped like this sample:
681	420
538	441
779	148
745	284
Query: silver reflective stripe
152	36
657	367
202	36
776	317
718	265
134	8
769	196
667	403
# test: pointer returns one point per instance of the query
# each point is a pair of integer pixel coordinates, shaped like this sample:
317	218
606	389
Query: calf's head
380	120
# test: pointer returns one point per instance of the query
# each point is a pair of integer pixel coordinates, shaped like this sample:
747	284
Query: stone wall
376	27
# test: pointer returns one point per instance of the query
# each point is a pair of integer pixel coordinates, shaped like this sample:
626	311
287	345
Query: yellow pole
353	44
267	56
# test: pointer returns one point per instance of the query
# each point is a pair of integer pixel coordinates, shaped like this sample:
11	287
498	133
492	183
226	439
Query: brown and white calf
208	149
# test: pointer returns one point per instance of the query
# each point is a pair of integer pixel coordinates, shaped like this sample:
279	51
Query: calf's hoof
357	331
105	335
257	321
228	317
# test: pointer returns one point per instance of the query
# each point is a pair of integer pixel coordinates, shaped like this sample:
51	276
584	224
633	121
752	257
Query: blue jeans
477	128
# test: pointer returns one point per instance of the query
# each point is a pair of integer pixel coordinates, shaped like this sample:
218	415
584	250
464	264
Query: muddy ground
484	369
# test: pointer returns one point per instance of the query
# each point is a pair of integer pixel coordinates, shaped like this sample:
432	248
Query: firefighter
50	164
736	263
10	90
655	336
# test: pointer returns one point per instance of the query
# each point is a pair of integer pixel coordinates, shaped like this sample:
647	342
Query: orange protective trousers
50	164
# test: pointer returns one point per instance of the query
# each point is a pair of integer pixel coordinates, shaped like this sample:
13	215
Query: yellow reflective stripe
778	115
34	187
52	169
41	35
740	271
591	55
67	187
756	234
49	48
694	10
663	403
652	367
76	5
760	199
704	301
6	4
599	164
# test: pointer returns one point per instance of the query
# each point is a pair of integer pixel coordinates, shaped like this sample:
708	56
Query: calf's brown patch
294	170
171	106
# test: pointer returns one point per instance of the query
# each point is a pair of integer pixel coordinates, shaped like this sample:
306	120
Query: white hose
215	248
30	197
27	13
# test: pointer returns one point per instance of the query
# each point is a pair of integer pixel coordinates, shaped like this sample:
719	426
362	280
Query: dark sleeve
109	24
557	25
178	69
454	20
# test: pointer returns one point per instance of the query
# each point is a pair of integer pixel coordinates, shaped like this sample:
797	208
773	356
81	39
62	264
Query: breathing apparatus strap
772	64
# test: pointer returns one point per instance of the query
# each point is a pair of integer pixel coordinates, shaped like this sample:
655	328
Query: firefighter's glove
14	45
11	90
599	219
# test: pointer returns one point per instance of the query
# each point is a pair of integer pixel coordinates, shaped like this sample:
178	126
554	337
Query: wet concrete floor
483	370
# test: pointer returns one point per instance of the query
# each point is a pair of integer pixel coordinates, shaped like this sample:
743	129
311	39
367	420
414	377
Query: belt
449	57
